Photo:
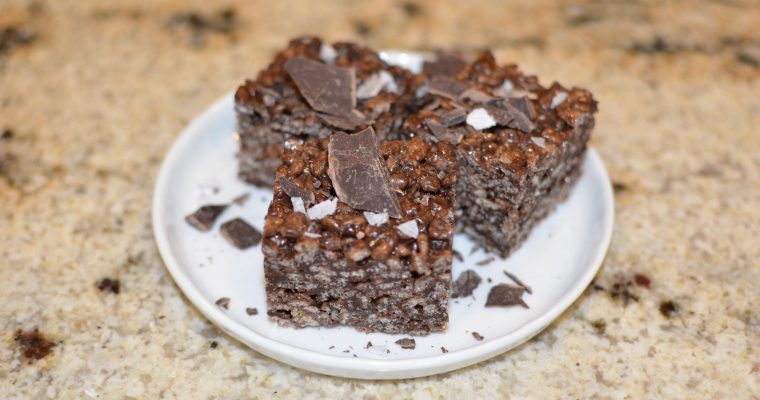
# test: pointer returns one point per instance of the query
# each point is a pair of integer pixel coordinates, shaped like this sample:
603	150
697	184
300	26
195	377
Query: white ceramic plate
558	262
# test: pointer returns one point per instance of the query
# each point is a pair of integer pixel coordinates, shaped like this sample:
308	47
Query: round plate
558	261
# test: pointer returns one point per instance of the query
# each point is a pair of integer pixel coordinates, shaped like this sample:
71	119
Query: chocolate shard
475	96
346	122
329	89
465	284
359	175
505	295
446	86
524	105
477	336
443	133
448	64
223	302
407	343
293	190
203	218
453	117
240	234
506	114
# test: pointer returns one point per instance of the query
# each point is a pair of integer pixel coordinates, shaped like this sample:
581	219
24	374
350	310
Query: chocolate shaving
477	336
347	122
524	105
485	261
293	190
475	95
465	284
359	175
505	295
444	350
240	234
443	133
241	199
453	117
407	343
223	302
326	88
203	219
33	344
518	281
448	64
251	311
445	86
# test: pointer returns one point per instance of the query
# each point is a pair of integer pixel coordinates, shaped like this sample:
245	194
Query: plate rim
357	367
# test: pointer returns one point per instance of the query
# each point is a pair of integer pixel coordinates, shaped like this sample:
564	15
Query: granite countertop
92	94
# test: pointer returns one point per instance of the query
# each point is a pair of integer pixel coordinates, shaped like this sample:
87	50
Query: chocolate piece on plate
465	284
407	343
203	219
505	295
240	234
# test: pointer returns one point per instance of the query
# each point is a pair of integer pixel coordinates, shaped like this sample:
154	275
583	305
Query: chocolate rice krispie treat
359	234
520	145
313	89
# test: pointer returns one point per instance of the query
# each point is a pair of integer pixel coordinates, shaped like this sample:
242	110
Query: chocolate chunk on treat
477	336
505	295
445	63
359	175
203	219
293	190
407	343
453	136
465	284
453	117
347	122
446	86
240	234
327	88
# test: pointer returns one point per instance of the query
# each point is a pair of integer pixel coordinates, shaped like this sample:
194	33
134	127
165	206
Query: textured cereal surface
97	96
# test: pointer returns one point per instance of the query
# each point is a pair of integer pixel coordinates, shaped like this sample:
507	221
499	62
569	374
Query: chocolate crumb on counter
203	219
223	302
214	344
477	336
642	280
407	343
33	344
251	311
668	308
505	295
599	325
465	284
109	285
240	234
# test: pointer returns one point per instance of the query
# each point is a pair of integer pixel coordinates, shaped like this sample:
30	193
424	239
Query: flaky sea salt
375	218
323	209
409	229
480	119
375	84
539	141
327	53
558	98
298	204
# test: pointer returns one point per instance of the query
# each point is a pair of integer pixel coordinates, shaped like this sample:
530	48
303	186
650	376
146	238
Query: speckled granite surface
92	94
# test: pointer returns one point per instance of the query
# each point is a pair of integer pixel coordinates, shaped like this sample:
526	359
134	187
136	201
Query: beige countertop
92	94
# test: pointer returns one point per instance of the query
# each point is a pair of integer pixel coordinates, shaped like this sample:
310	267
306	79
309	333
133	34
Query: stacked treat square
374	168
